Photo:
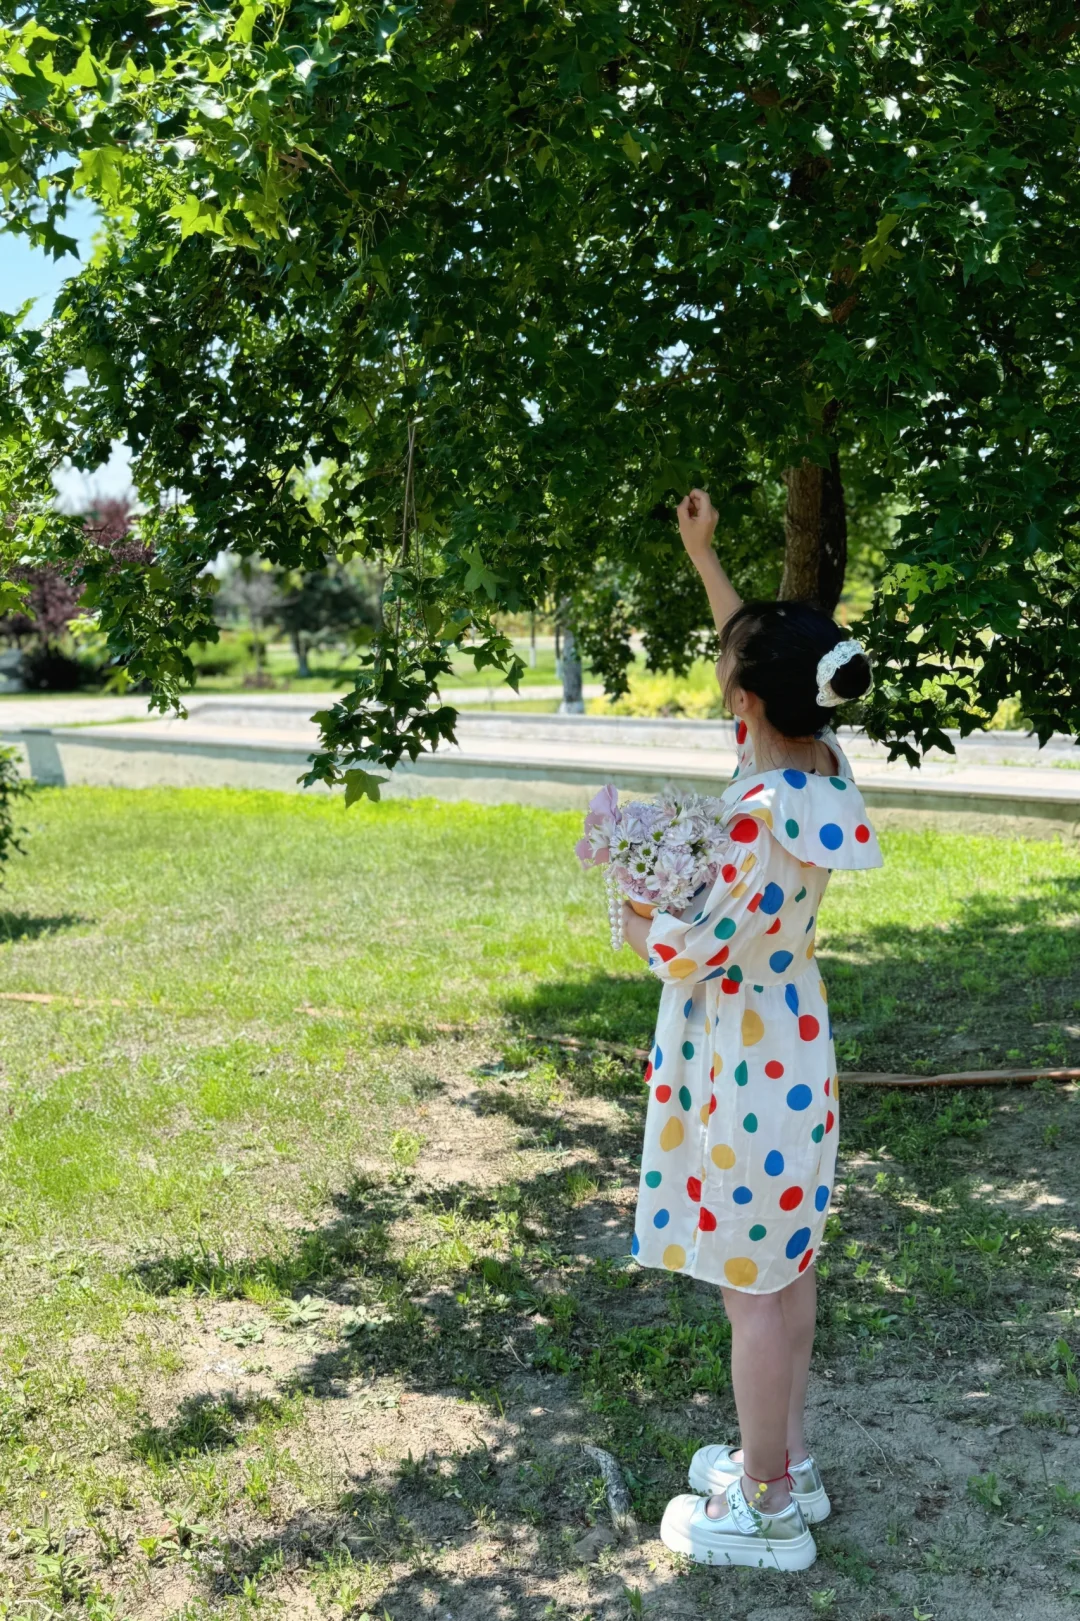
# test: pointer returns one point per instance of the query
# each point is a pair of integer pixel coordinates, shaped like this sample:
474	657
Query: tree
326	606
49	599
514	277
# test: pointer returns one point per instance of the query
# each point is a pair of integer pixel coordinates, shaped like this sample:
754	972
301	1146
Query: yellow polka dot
708	1027
675	1258
809	950
704	1114
760	813
739	890
740	1270
752	1027
723	1157
681	967
717	1063
672	1134
824	992
749	862
835	1088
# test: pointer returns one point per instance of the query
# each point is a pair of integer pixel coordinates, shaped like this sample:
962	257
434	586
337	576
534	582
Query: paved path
263	739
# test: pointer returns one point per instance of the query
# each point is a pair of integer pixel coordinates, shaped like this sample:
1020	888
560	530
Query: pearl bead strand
615	906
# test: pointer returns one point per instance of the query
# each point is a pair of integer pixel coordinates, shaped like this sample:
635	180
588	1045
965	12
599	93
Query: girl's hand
636	931
697	521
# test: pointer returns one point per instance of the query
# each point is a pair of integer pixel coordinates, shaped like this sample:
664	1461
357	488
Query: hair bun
852	679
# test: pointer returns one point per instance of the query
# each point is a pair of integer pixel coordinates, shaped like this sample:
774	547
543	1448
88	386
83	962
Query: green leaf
361	785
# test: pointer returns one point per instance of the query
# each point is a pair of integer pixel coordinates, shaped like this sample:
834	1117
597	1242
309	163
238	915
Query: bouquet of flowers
657	856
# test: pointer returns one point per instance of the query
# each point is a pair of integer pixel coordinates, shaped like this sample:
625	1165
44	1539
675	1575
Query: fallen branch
622	1510
618	1049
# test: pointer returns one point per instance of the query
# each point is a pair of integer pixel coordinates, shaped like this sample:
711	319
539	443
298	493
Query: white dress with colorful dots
740	1135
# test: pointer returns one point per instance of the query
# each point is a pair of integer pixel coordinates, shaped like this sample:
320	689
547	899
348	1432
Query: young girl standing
741	1131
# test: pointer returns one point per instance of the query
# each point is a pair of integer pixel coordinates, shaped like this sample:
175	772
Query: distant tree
320	607
50	599
250	590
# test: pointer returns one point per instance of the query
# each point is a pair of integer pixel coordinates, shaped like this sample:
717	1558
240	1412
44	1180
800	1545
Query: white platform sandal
712	1469
742	1536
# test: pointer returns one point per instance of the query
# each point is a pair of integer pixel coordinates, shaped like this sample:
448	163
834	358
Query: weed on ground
311	1306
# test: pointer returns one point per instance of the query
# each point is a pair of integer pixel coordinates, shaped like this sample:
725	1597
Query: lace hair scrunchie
828	665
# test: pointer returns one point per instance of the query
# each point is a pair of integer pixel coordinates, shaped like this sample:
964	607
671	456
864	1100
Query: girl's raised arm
697	521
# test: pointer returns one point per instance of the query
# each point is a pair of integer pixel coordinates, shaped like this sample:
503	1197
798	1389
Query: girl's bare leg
762	1376
799	1305
757	1380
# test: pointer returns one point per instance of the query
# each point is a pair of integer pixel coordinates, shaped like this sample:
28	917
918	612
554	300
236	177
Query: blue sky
27	272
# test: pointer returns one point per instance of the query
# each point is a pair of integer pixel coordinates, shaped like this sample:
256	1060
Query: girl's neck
773	751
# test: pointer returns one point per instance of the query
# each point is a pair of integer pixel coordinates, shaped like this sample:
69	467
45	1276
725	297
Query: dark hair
772	649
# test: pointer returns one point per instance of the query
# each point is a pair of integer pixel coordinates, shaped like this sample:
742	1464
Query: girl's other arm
697	521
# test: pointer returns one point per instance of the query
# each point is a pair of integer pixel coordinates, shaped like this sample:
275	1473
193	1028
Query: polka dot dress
741	1131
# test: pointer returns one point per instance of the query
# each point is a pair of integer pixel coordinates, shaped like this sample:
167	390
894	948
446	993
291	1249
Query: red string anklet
787	1475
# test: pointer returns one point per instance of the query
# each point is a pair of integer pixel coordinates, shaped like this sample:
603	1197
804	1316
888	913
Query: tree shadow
540	1315
984	989
16	926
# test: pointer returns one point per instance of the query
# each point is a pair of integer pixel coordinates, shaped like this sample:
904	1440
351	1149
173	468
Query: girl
740	1136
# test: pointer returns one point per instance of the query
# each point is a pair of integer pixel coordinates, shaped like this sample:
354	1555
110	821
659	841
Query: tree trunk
815	534
572	701
300	649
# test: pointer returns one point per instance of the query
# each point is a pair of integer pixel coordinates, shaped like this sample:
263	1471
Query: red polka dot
791	1198
754	902
693	1189
729	873
662	1094
774	928
648	1073
706	1220
665	953
862	833
712	1103
808	1026
740	731
745	830
774	1069
828	1083
805	1262
721	956
830	1121
750	792
730	986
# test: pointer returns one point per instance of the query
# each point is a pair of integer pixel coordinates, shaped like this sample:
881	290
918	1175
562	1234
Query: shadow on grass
25	926
554	1323
996	985
516	1298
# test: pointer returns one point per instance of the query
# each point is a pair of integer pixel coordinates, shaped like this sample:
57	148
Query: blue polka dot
797	1243
800	1097
797	779
821	1197
688	1049
774	1163
688	1009
725	928
791	997
661	1218
809	926
831	836
772	899
635	1246
658	1060
779	961
742	1195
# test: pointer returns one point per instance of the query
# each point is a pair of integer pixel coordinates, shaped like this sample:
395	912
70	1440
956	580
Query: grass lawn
314	1251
